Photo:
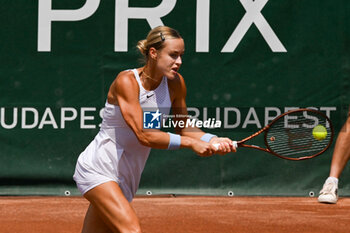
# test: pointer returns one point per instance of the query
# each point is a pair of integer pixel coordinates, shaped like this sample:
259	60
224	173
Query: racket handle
234	144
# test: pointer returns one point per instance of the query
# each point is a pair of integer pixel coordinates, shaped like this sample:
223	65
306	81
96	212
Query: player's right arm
125	92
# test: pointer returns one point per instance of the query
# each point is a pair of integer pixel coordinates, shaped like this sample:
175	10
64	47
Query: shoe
329	193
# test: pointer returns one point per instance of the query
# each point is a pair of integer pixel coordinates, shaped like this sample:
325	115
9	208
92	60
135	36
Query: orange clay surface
186	214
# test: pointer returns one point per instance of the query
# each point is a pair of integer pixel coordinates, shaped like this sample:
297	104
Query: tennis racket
295	135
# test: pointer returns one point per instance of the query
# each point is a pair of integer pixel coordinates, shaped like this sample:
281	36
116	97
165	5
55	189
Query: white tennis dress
115	154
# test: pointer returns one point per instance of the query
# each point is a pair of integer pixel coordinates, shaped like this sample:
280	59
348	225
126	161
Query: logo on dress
151	120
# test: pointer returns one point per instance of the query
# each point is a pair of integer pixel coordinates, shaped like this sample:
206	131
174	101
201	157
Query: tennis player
108	171
341	155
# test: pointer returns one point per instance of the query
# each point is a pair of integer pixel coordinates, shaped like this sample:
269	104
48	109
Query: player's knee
128	229
136	227
130	225
138	230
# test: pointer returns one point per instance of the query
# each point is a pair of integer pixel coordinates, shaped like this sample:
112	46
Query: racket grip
234	144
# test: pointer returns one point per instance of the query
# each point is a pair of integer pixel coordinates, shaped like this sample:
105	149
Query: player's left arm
178	92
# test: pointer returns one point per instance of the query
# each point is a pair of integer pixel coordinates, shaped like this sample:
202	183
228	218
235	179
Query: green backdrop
50	101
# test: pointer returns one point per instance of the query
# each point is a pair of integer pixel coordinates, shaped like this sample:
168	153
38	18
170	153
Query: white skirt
106	160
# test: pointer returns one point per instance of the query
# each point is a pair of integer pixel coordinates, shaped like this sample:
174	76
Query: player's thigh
114	209
93	222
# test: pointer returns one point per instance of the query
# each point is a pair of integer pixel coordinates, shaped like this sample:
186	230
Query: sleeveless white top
116	154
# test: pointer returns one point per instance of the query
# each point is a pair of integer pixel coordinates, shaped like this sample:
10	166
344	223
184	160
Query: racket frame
267	127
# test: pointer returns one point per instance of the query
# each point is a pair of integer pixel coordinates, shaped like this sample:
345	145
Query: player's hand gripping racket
295	135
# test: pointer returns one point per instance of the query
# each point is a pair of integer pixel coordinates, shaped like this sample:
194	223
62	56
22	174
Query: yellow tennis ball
319	132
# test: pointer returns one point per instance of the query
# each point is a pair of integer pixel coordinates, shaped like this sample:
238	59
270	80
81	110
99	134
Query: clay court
87	79
183	214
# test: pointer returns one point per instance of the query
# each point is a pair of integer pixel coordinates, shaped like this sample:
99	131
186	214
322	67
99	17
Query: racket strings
292	135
